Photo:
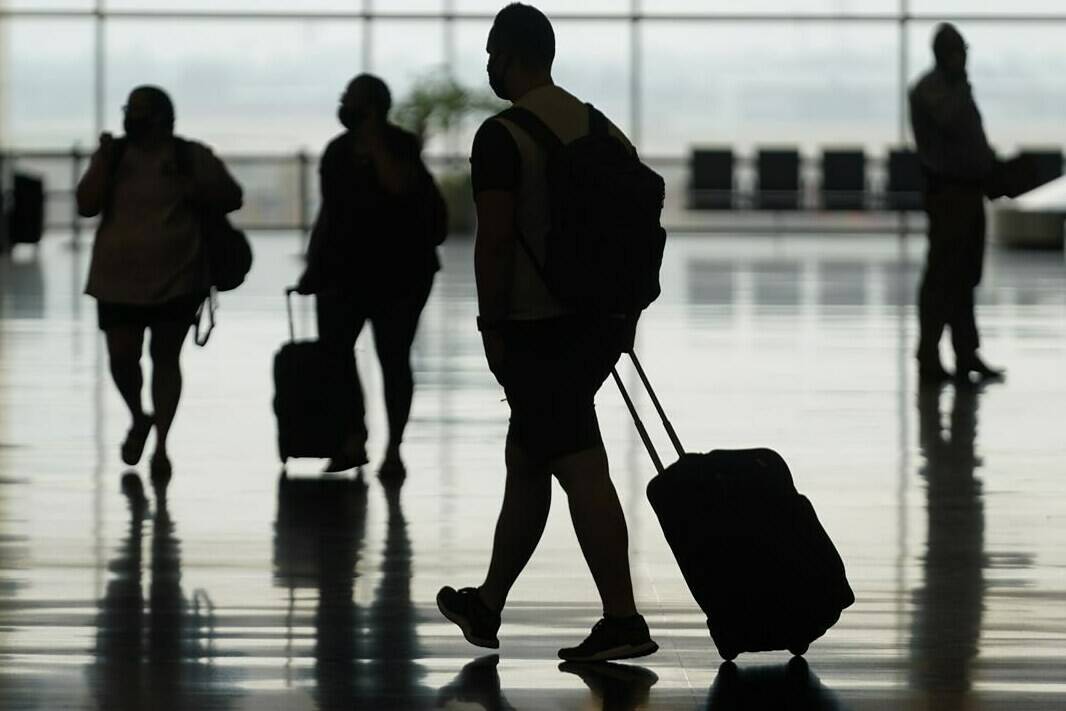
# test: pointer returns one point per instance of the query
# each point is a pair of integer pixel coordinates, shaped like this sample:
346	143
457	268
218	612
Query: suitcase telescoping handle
641	429
289	291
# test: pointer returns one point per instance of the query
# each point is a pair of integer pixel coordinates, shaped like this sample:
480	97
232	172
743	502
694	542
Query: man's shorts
551	372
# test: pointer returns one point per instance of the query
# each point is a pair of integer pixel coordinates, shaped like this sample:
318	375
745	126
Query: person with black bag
568	253
372	256
150	267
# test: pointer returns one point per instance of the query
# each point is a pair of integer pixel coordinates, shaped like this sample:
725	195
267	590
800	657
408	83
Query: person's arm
494	164
494	252
212	184
92	188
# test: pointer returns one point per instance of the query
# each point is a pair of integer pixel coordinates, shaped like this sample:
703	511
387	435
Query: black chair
905	181
778	179
1047	163
711	185
843	179
26	219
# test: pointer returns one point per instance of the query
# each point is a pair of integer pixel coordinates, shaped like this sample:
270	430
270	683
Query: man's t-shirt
504	157
494	159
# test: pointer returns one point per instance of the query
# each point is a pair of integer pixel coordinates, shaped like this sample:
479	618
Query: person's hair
374	89
946	38
525	32
162	106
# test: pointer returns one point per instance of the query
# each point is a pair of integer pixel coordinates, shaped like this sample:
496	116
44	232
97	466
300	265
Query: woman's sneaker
613	638
465	608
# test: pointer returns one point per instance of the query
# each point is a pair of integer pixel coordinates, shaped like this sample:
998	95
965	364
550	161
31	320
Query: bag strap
535	127
639	422
209	305
597	122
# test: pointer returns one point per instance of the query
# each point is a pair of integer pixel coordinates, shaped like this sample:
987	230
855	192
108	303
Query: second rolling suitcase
312	396
750	547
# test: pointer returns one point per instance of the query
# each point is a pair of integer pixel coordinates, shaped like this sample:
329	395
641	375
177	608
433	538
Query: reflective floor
238	592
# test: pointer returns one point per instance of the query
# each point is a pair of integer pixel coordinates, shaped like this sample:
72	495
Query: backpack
604	247
227	249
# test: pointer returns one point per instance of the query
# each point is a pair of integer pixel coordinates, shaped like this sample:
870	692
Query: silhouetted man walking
957	161
550	360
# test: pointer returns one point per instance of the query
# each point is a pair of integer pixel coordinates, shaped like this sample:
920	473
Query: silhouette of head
521	49
366	98
950	49
149	115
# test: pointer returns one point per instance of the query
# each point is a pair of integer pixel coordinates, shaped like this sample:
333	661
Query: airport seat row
843	181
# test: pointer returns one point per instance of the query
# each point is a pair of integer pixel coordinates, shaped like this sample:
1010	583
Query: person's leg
933	297
124	347
523	515
165	349
339	325
600	525
394	334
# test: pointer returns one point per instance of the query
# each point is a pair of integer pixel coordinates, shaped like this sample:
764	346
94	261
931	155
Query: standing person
149	270
550	361
373	255
957	162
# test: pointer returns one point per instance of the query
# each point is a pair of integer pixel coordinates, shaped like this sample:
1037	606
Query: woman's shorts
180	311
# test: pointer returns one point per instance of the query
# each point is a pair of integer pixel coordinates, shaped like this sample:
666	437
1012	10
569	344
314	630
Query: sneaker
465	608
136	437
613	638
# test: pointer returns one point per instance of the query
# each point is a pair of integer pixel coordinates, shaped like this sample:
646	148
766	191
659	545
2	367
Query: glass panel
393	7
250	85
771	7
50	5
236	5
989	7
548	7
405	51
592	62
46	83
804	85
1016	72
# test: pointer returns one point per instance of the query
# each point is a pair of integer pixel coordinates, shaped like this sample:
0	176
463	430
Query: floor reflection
950	605
23	279
154	653
478	683
614	687
365	655
790	686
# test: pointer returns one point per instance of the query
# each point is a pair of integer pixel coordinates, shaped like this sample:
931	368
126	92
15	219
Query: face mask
137	129
497	83
351	119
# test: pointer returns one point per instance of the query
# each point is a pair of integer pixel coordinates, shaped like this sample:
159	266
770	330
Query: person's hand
107	146
494	352
307	284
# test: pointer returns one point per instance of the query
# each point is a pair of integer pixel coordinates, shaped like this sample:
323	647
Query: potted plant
438	105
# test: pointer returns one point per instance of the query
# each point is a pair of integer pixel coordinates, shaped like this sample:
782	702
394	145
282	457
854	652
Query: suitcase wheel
799	649
728	654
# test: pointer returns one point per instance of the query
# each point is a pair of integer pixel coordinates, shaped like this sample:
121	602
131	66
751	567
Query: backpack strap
597	121
534	127
118	150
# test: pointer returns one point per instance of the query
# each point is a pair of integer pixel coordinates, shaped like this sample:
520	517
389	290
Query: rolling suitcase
750	547
312	396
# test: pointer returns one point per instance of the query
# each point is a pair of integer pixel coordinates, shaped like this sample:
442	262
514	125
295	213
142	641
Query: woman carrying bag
149	269
373	255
